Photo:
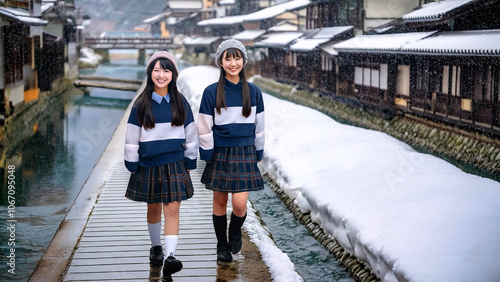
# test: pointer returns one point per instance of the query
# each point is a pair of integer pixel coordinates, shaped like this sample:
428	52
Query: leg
171	214
220	203
219	218
154	228
239	201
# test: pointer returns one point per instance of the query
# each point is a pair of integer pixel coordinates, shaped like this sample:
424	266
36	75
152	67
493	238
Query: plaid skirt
233	170
160	184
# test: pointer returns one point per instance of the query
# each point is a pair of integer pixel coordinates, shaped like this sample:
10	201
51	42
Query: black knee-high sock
220	227
235	227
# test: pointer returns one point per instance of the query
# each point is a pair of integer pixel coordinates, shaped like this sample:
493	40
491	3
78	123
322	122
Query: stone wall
466	149
23	123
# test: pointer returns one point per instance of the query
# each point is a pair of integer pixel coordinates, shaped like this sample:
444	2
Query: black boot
156	256
171	265
220	227
235	232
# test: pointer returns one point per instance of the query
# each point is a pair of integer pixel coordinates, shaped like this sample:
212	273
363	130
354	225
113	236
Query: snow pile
88	58
410	216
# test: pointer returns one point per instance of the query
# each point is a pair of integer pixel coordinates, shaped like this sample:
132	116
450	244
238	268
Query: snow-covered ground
410	216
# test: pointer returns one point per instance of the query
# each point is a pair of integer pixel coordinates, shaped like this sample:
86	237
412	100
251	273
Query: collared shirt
158	98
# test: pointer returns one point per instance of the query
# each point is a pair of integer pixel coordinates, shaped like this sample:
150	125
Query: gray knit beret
165	55
227	44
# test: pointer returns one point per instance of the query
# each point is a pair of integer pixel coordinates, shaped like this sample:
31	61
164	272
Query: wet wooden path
115	243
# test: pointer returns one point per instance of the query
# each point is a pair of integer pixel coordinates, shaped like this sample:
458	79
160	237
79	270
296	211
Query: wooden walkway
115	243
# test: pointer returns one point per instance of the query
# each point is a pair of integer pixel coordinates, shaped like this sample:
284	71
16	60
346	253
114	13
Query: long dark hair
220	101
144	106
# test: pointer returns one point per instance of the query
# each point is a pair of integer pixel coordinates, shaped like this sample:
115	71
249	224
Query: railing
129	43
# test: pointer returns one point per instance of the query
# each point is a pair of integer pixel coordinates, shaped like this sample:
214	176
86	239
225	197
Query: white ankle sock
155	233
170	244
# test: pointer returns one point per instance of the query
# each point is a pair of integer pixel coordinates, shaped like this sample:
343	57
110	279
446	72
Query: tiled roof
435	10
473	42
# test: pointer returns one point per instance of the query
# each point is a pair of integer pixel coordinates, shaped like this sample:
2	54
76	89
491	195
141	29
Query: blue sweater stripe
162	144
230	128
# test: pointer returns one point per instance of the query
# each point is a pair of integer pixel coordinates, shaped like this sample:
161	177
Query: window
291	59
326	63
422	77
446	77
358	76
373	76
455	81
484	83
384	70
403	81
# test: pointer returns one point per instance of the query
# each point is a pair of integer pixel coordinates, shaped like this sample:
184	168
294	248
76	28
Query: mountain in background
108	15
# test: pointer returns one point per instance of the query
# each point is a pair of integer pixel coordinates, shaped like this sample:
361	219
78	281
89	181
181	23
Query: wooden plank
115	243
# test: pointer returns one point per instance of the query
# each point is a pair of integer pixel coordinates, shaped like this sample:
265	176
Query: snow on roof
226	2
285	26
157	18
328	48
318	37
280	39
435	10
305	44
470	42
330	32
185	5
249	34
47	7
380	42
263	14
22	16
199	41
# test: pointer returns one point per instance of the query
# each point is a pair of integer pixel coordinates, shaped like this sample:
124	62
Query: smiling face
161	78
232	63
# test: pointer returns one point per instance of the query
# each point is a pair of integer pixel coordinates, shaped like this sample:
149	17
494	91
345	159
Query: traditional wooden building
307	61
182	16
448	74
363	15
20	42
33	50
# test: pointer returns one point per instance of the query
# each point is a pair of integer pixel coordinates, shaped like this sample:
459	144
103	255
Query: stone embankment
26	118
359	271
464	148
473	149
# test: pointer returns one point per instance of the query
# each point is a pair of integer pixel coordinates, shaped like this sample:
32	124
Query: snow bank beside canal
191	82
410	216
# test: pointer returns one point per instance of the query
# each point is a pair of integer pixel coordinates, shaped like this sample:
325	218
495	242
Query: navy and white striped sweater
230	128
164	143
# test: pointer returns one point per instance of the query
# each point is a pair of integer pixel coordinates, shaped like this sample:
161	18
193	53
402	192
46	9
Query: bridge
85	81
130	43
102	45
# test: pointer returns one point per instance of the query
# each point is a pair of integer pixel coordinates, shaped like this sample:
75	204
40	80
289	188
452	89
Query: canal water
53	164
312	261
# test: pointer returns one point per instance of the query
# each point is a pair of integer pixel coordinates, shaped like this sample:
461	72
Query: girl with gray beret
231	137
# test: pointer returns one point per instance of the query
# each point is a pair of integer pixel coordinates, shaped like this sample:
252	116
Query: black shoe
156	256
171	266
235	247
224	255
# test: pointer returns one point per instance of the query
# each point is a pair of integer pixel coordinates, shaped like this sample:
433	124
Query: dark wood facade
32	59
454	87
